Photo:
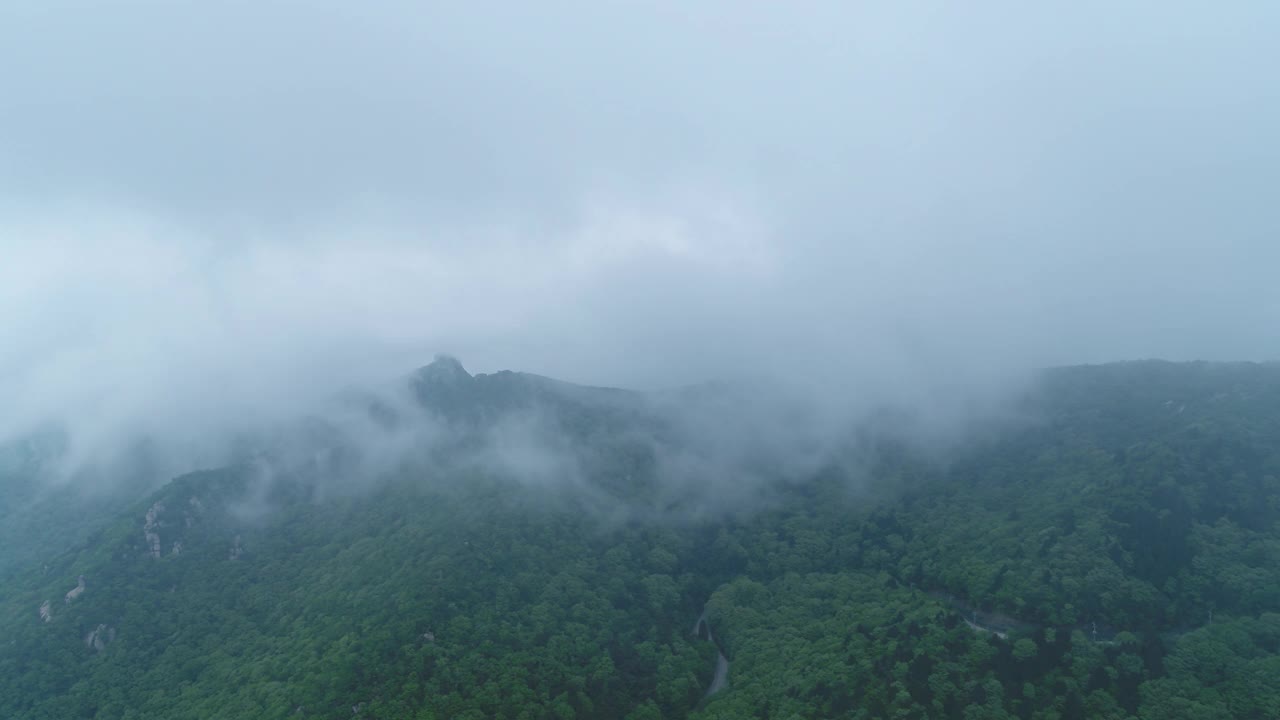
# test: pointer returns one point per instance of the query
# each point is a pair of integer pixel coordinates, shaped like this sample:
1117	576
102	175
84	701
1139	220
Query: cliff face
46	613
158	518
76	591
151	529
98	638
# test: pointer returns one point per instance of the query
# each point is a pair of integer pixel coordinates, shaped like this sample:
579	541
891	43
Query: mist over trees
1111	555
830	329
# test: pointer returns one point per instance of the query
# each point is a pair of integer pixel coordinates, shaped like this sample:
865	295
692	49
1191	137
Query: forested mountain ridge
1115	554
43	515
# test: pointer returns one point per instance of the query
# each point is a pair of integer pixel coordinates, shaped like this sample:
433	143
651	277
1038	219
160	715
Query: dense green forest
1111	552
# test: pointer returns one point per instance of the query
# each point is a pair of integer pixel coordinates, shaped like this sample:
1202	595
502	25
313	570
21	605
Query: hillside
546	550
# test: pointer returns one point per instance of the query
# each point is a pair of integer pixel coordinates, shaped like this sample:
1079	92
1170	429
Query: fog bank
213	217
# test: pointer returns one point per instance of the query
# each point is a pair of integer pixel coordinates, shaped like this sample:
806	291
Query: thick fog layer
213	215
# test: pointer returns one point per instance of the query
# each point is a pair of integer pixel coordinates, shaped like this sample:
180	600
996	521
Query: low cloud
217	217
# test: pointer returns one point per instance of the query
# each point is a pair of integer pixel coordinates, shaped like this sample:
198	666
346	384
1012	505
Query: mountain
541	549
44	513
446	388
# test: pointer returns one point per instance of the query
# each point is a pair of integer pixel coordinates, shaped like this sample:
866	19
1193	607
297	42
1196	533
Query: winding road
721	678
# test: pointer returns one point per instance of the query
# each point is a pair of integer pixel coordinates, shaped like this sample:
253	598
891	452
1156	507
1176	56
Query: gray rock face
196	510
151	528
98	638
46	613
76	591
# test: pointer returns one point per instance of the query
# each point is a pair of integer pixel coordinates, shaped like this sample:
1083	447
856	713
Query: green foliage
1066	568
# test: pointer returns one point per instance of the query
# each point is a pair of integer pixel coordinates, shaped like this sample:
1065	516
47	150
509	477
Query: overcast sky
214	208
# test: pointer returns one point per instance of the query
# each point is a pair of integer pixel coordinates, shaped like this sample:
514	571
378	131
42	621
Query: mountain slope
1066	567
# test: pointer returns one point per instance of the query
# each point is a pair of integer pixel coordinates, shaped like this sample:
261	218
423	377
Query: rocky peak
446	371
445	386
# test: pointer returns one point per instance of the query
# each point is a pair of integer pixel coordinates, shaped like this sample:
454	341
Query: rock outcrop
151	527
98	638
76	591
46	613
196	510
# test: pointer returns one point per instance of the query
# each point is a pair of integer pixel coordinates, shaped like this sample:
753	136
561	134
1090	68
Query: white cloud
217	212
